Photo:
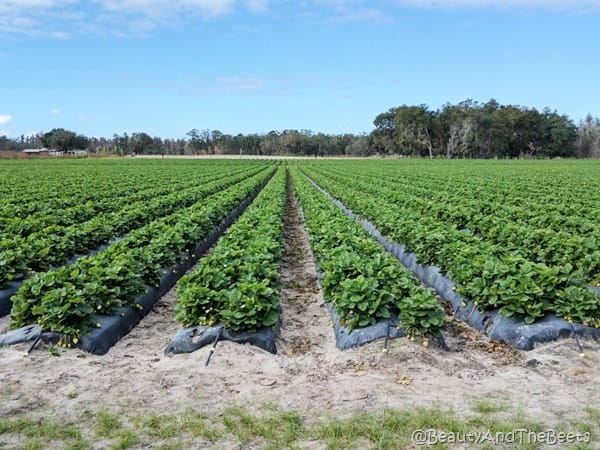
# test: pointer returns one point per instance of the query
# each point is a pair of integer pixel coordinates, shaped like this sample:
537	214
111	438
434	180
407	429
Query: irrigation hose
214	347
577	341
387	336
37	340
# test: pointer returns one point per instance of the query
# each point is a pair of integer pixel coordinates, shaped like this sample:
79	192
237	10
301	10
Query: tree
141	143
474	130
559	135
588	137
200	141
461	139
382	138
358	146
250	144
270	143
415	126
64	140
216	139
121	144
528	128
410	130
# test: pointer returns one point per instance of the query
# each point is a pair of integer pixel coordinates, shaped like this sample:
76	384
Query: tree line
466	130
474	130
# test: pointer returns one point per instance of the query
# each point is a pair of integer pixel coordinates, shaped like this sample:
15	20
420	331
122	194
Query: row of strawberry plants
558	208
484	272
483	198
65	300
44	187
55	245
362	281
558	205
578	255
511	183
113	199
569	241
238	284
47	186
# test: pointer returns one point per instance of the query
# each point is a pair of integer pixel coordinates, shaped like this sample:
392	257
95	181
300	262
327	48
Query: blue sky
100	67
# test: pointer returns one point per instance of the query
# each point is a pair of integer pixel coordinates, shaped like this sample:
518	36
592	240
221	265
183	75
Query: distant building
36	151
68	153
45	151
75	152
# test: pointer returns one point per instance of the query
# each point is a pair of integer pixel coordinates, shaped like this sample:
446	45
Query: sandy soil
308	373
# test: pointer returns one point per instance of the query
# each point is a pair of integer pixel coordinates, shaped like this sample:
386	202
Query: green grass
199	425
126	439
41	433
271	427
107	424
275	427
161	426
39	428
389	430
486	406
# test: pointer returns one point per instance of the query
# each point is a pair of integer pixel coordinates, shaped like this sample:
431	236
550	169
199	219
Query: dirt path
308	373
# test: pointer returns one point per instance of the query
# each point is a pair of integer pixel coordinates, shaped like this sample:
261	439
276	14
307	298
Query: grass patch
171	446
76	445
39	428
488	407
126	439
587	425
33	444
277	428
107	424
593	415
42	433
199	425
271	427
390	430
161	426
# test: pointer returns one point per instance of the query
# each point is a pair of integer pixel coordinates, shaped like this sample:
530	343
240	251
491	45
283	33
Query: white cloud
346	10
5	118
354	9
61	19
55	112
256	6
18	5
168	8
556	5
31	17
60	35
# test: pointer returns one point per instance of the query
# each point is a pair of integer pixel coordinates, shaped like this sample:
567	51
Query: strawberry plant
66	299
238	284
362	281
420	312
53	245
522	261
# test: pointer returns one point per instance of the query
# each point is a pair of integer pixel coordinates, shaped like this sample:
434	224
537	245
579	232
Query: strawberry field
86	239
524	238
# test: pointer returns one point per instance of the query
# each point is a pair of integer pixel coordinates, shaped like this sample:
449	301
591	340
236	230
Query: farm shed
36	151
